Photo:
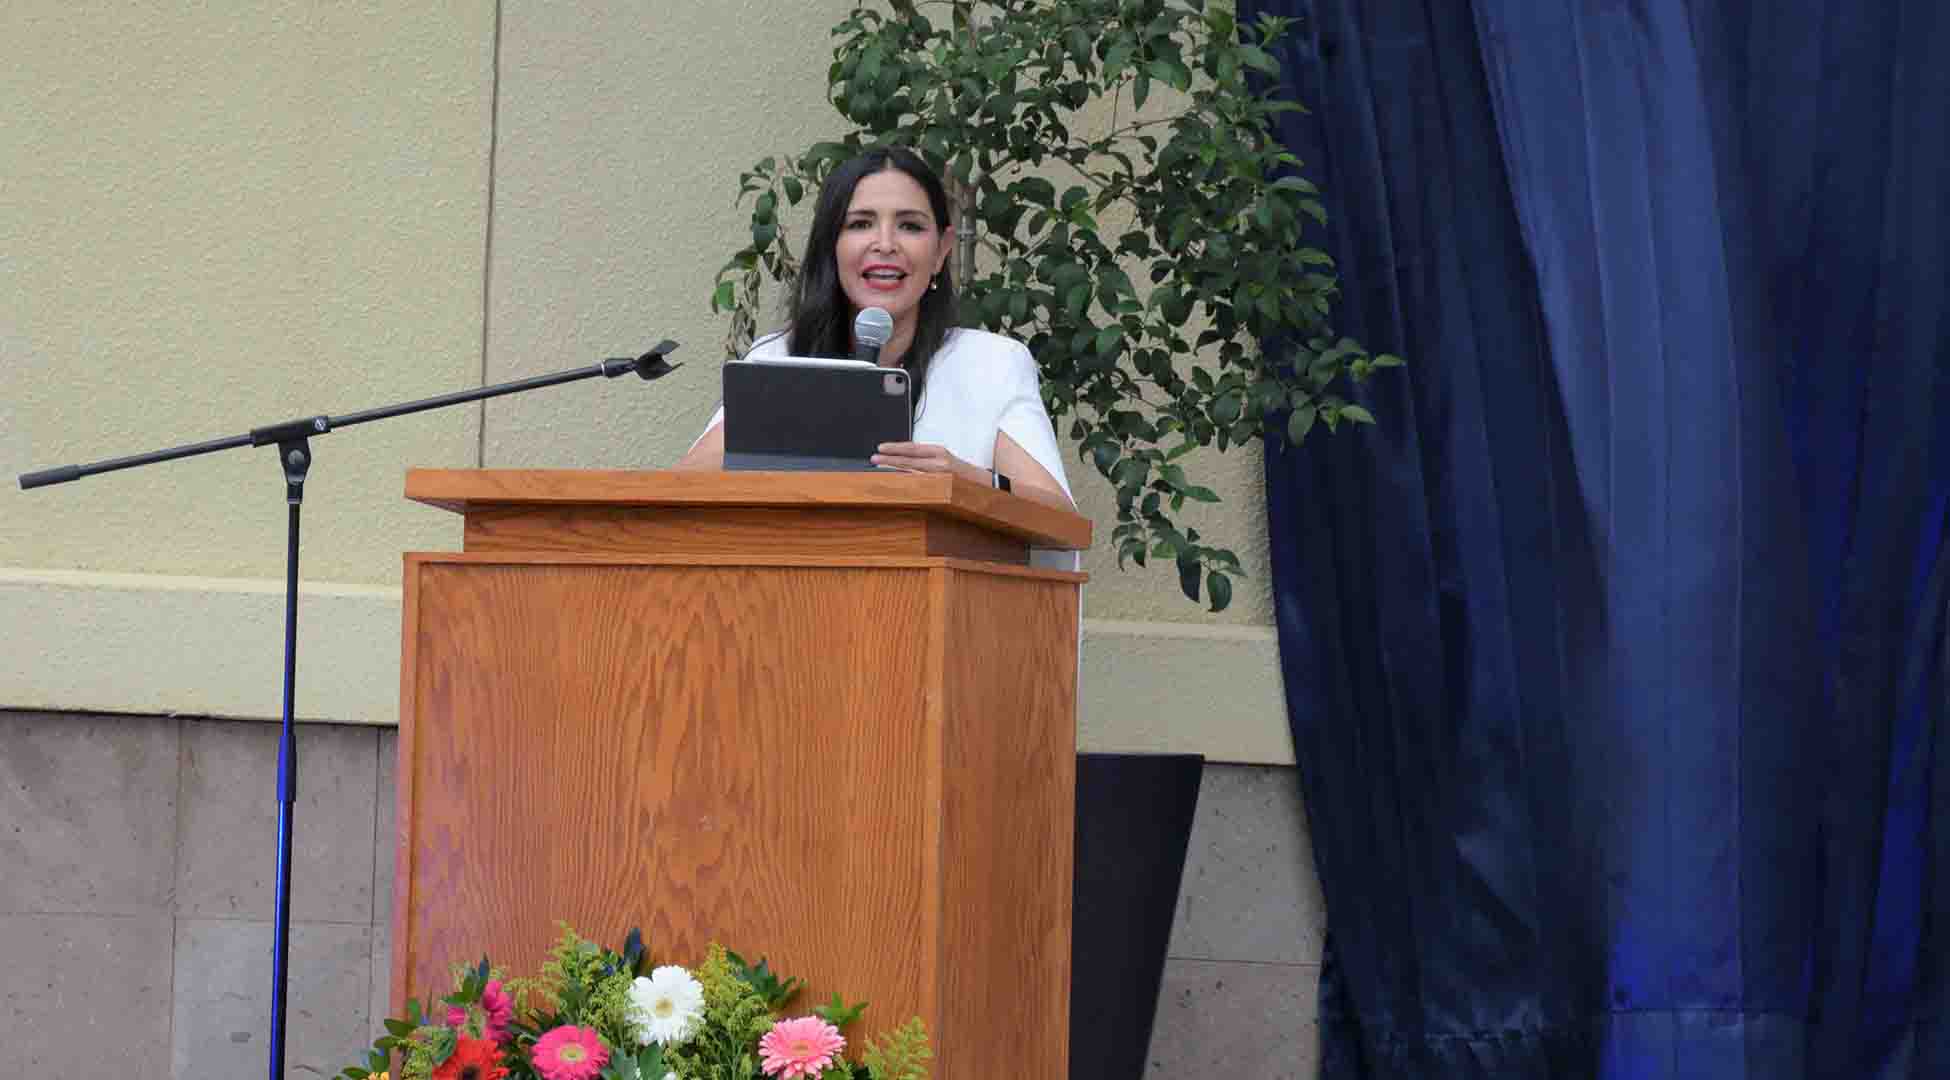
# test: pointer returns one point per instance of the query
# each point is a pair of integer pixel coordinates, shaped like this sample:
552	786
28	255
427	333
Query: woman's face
890	245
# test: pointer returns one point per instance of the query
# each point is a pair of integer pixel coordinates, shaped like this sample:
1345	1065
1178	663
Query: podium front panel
861	769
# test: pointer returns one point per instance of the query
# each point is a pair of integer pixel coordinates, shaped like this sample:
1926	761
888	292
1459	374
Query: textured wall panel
217	217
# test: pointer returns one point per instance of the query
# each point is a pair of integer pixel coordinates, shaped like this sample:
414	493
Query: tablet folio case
812	417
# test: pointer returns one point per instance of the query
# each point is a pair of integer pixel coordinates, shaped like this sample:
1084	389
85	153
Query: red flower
472	1059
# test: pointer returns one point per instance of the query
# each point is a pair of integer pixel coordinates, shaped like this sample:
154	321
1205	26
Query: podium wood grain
830	722
836	496
693	530
859	766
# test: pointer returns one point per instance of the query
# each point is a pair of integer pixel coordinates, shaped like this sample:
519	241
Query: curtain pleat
1614	654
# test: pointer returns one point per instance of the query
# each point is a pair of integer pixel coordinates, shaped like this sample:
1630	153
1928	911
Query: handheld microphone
872	329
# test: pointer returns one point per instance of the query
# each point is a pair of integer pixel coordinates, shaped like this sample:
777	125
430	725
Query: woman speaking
881	238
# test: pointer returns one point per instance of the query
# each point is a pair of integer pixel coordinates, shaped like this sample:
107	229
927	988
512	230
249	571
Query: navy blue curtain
1614	654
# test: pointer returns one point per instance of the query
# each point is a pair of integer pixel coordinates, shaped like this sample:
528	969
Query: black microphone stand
292	439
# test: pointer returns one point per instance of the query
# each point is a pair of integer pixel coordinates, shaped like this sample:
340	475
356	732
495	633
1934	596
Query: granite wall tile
87	813
222	1007
86	995
227	862
1250	892
1221	1018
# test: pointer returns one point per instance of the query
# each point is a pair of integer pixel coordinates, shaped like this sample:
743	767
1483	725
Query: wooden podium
827	719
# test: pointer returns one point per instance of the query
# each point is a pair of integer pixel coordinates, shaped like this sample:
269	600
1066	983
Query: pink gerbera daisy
802	1047
570	1053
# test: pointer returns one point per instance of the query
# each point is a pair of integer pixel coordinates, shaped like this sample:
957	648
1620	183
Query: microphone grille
873	326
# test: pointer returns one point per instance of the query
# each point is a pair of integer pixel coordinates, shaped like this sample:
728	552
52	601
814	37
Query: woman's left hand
929	458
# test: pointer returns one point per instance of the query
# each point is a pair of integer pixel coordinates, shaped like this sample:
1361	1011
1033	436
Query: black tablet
786	413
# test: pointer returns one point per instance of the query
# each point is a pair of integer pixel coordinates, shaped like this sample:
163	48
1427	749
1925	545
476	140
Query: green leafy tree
1185	186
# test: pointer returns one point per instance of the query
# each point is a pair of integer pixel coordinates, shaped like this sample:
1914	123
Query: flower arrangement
600	1014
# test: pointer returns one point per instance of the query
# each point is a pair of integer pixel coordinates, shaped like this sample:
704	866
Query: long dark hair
822	316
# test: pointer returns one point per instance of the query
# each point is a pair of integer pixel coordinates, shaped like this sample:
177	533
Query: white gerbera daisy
666	1006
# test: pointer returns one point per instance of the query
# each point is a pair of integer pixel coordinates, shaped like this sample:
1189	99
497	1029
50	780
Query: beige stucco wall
216	216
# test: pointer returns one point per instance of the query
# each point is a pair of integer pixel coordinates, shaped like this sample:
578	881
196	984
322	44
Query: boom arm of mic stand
650	365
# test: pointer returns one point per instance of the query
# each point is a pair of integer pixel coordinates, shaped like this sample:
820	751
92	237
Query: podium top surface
464	490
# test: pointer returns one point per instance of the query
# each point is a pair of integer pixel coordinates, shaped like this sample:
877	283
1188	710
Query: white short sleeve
1025	419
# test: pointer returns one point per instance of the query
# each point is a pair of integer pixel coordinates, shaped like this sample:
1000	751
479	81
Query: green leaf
838	1013
1109	340
1079	44
1176	306
1357	414
1034	189
1114	282
1105	455
1219	587
1259	59
828	151
723	297
763	981
1225	409
1188	575
1298	424
1173	75
1077	300
794	191
1382	360
1140	89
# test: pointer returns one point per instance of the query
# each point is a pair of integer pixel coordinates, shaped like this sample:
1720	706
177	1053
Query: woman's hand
1029	479
928	458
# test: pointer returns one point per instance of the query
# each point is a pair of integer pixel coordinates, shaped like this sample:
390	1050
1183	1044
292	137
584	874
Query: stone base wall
137	895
